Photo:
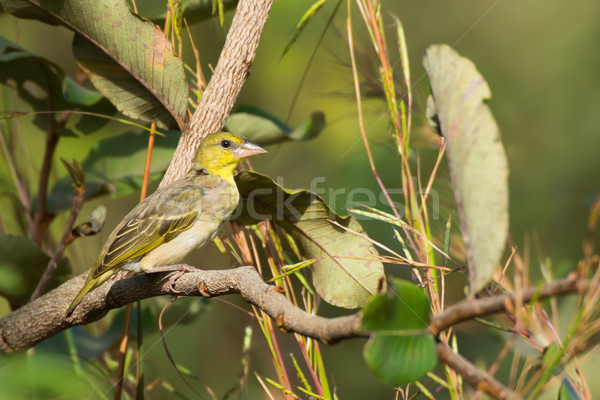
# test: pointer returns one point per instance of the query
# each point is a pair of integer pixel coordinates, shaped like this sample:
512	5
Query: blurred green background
542	63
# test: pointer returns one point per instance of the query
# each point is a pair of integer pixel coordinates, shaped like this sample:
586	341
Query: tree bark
45	316
225	85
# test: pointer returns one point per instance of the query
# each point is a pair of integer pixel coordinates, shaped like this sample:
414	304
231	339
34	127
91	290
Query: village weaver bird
176	219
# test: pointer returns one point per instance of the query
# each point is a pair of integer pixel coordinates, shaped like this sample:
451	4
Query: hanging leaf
128	59
22	264
476	157
346	272
94	225
116	166
43	85
265	129
399	351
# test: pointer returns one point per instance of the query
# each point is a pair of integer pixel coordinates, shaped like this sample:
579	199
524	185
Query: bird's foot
180	269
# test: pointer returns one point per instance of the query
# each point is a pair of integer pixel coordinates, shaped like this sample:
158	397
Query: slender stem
361	122
123	351
18	182
469	309
472	375
65	239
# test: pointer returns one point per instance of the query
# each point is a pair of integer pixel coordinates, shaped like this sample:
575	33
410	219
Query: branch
468	309
44	317
472	375
41	217
76	204
225	85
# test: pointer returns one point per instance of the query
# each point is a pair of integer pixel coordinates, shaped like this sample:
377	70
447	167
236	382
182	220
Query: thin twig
472	375
76	204
468	309
41	217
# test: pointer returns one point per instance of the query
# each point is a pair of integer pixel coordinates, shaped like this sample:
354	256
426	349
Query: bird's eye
226	144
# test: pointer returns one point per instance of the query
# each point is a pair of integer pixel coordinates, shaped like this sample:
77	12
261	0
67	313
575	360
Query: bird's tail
91	283
89	286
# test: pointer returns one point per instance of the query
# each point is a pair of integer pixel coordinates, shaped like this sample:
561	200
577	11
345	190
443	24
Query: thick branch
225	85
44	317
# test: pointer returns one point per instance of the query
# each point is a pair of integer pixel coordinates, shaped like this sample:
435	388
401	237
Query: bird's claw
180	269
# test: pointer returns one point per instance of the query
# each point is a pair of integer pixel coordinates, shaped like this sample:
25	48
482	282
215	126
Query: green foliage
346	273
265	129
568	391
115	166
45	87
400	351
22	264
45	376
477	160
111	44
134	64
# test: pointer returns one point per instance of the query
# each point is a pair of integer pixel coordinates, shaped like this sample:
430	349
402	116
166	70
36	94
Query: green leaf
399	351
22	264
265	129
116	166
128	59
346	272
44	85
80	95
477	160
568	391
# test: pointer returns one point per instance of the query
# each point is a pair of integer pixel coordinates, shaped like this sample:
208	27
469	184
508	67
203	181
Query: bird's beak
248	149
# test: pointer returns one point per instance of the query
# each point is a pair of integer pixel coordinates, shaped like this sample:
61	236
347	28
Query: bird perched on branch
176	219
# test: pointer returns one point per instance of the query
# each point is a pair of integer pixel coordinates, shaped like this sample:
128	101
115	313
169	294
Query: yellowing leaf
346	272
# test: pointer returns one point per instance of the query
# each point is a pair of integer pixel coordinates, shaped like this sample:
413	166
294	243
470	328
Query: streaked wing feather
157	224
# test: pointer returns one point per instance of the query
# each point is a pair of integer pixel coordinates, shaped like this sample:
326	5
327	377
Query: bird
177	218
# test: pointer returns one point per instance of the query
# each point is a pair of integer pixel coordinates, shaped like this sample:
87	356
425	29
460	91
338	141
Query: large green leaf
399	350
347	272
476	157
116	166
265	129
43	84
129	60
22	264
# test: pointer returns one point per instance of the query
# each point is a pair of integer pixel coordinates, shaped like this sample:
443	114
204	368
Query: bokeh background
542	63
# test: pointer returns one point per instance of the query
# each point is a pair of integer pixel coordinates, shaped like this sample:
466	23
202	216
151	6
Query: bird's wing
164	215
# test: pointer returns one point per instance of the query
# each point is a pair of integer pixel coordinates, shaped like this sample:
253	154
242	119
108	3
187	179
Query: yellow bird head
219	154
